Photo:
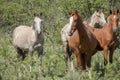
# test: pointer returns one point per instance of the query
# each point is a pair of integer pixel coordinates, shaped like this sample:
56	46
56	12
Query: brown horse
106	36
96	20
82	41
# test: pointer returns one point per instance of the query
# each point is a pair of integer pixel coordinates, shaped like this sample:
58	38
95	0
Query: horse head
37	26
113	19
73	22
97	19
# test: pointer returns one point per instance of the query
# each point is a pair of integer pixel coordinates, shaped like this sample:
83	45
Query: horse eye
98	15
73	14
75	20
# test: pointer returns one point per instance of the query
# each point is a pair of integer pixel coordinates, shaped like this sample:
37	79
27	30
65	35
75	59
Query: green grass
53	65
55	16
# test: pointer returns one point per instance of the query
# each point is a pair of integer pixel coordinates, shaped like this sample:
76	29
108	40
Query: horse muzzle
114	29
71	32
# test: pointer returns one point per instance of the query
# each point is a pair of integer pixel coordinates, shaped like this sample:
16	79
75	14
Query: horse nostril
70	34
114	29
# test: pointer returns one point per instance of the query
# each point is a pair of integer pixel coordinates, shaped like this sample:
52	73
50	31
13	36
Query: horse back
23	36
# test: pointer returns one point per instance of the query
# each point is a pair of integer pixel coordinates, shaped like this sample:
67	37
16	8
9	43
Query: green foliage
55	12
53	65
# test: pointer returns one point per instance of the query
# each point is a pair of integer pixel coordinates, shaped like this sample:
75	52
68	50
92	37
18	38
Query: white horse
96	20
28	39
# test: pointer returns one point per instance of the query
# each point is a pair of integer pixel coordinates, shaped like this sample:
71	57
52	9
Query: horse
28	39
106	36
96	19
82	41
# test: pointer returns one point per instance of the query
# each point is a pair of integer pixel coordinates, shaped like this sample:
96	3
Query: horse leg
111	53
31	54
71	61
40	53
112	48
83	57
20	53
65	46
23	55
31	51
83	63
70	54
88	59
105	54
78	57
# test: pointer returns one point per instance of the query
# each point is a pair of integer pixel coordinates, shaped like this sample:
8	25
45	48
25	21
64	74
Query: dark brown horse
82	41
106	36
96	20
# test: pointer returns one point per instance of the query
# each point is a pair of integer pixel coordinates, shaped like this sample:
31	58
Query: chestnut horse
106	36
96	20
82	41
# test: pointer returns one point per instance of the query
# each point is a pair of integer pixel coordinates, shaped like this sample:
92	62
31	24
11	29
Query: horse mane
87	29
88	20
79	18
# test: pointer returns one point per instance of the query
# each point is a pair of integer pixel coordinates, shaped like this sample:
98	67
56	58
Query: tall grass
55	13
53	65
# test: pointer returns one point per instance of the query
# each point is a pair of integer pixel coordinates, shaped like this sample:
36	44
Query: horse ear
118	11
76	12
38	14
41	14
34	14
97	10
69	13
110	11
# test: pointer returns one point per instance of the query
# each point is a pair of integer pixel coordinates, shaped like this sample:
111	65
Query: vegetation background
20	12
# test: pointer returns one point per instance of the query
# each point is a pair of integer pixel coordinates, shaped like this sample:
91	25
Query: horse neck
92	22
108	27
36	33
89	20
110	22
81	28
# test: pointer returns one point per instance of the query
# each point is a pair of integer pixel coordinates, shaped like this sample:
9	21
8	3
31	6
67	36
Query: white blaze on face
115	27
114	16
92	22
103	19
70	23
37	24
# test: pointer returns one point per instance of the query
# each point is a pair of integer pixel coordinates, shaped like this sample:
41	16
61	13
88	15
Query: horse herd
83	39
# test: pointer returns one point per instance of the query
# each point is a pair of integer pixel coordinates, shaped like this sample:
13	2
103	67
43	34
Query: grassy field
53	65
55	15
